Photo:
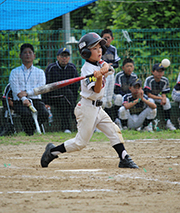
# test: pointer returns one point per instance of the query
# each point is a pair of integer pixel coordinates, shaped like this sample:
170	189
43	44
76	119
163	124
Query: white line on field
79	170
52	191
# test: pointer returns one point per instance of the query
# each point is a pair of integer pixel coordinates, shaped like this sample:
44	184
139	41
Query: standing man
64	98
23	80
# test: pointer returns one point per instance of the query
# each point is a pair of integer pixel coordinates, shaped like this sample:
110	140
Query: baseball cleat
47	157
127	162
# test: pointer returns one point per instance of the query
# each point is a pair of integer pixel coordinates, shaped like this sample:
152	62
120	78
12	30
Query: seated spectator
63	98
112	59
122	83
176	95
23	80
156	87
137	110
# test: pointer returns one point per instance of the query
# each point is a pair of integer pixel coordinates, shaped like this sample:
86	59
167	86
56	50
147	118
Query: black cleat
127	162
47	157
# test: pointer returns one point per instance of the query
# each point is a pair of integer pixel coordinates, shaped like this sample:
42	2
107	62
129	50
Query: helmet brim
102	42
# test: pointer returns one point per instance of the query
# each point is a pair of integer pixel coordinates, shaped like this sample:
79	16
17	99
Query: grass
60	137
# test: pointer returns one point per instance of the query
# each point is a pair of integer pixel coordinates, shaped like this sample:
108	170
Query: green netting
145	46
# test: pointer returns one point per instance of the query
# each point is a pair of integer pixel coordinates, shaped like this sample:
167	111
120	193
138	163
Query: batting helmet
88	41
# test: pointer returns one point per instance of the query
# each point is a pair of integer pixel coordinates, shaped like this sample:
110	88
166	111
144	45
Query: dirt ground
90	180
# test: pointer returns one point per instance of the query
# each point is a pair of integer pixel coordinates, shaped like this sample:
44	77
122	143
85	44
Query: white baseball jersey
89	115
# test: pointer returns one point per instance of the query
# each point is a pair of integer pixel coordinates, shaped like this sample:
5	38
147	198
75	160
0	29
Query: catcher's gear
88	41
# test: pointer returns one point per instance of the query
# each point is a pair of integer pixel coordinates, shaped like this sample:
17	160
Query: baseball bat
59	84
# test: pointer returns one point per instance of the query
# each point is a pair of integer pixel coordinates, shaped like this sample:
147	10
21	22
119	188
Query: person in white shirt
23	80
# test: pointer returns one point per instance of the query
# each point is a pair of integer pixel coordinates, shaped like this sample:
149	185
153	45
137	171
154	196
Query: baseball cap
158	66
63	50
177	86
136	81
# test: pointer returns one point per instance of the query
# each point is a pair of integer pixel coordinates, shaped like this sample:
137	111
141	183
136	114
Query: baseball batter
89	112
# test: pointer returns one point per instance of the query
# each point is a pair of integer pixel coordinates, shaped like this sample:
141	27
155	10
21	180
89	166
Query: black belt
97	103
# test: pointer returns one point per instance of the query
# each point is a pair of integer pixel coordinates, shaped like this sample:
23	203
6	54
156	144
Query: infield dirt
90	180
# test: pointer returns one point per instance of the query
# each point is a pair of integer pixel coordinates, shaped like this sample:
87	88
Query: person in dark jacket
63	98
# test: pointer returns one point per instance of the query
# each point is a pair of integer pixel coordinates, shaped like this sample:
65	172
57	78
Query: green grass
60	137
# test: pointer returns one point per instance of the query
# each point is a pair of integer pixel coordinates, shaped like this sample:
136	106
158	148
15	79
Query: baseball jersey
137	108
151	86
122	82
87	84
111	56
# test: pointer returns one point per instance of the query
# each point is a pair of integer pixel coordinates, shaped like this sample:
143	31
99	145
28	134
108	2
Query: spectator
64	98
156	84
176	95
23	80
137	110
112	59
122	83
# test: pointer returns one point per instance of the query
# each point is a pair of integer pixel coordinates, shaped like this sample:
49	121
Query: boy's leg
85	125
112	131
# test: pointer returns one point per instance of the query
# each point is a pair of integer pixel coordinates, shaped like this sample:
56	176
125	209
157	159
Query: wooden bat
59	84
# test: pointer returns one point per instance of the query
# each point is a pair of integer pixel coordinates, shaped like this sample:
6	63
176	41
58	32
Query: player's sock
58	149
146	122
120	150
124	122
167	114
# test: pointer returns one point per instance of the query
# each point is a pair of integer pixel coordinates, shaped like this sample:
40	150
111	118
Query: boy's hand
163	100
97	74
105	68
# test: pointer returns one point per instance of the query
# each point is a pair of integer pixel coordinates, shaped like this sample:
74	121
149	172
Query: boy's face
108	38
128	68
96	53
158	74
135	90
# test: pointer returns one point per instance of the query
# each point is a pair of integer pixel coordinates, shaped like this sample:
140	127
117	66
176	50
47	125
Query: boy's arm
150	95
98	75
129	105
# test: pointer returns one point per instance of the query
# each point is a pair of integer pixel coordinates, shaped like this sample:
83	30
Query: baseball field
89	180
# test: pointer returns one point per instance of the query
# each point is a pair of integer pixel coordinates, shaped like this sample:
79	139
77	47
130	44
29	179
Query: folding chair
9	113
9	127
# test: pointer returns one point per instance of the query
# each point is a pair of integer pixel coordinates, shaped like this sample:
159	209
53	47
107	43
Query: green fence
145	46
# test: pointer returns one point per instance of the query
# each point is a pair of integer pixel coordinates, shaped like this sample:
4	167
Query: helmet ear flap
86	53
104	48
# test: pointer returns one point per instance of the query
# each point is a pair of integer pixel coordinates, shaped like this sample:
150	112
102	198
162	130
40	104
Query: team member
88	111
137	111
156	84
122	83
112	59
23	80
63	98
176	95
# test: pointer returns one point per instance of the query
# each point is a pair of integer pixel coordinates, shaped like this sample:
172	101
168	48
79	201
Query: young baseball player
112	59
137	110
156	84
122	82
176	95
89	112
